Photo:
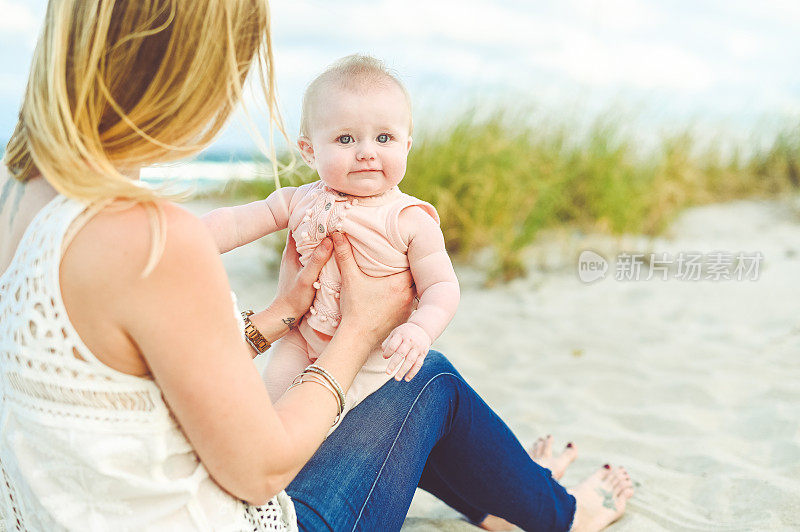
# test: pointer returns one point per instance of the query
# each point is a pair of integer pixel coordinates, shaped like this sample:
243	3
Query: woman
129	398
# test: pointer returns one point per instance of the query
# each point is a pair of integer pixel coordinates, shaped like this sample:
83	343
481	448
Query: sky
729	65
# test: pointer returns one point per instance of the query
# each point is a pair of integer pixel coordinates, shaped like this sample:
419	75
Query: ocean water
202	177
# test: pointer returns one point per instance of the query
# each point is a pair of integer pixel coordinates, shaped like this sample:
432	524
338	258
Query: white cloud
18	18
479	38
700	54
777	12
744	45
614	15
647	66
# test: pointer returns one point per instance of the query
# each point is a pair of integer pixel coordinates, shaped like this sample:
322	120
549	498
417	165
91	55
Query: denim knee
435	364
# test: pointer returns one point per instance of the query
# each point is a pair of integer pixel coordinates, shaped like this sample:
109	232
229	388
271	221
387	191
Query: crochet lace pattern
82	445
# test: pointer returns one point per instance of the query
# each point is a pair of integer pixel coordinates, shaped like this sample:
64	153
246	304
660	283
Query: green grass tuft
497	184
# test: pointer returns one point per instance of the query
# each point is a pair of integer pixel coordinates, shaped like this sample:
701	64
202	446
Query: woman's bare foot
542	454
601	498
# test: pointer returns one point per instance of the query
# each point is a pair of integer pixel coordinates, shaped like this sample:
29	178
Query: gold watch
253	335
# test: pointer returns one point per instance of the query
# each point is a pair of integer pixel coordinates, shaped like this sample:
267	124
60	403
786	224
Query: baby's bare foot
601	498
542	454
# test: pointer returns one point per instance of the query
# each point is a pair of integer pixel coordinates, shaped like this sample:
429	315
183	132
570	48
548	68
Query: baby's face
359	139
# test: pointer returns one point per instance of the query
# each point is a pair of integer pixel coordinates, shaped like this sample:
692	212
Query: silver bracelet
313	377
321	371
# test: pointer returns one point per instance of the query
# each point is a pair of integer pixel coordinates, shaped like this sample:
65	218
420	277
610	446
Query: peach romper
371	225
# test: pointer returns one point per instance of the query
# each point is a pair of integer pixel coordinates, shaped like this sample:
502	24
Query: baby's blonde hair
118	84
353	72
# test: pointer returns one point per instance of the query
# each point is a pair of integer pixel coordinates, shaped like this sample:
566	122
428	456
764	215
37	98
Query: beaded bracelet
331	380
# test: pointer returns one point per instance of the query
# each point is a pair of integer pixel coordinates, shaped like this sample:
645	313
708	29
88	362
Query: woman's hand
372	305
296	282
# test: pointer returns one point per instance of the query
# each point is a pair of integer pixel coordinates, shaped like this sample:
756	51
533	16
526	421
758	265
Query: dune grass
497	184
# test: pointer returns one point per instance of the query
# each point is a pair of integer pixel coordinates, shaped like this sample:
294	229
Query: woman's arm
231	227
181	319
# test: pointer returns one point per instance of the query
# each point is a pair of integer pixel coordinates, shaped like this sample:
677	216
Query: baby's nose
365	152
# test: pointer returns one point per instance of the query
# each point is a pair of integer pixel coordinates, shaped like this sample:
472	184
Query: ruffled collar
370	201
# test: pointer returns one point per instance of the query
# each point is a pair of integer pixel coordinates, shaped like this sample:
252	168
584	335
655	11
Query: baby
356	133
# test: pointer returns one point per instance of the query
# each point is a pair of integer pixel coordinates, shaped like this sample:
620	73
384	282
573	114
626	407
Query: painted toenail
607	466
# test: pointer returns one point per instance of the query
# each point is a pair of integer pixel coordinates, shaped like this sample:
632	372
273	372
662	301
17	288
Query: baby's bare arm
437	287
236	226
436	282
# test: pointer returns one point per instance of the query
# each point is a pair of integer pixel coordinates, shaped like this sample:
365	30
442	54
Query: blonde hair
353	72
118	84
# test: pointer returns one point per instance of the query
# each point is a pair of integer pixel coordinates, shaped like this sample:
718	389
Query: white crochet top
83	446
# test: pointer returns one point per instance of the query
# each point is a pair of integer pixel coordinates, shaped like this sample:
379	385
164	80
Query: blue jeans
434	432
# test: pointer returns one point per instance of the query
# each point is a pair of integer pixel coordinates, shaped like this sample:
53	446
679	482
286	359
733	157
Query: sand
693	386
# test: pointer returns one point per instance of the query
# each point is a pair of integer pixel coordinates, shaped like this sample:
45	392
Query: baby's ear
306	150
408	148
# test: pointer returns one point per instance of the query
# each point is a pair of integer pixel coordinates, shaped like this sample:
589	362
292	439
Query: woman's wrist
274	321
359	331
345	354
286	312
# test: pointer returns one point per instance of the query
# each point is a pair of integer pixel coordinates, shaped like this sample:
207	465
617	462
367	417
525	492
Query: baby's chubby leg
287	359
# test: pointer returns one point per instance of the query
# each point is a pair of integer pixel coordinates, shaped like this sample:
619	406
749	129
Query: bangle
253	335
328	377
310	377
307	376
314	373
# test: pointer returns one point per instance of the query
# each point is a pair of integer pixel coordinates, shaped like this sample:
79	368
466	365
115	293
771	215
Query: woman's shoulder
129	224
123	234
136	213
111	252
135	220
101	274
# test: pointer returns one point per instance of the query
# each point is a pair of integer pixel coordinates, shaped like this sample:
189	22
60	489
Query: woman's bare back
19	204
89	314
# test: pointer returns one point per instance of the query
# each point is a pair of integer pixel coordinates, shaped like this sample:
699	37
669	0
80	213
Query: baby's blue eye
383	138
345	139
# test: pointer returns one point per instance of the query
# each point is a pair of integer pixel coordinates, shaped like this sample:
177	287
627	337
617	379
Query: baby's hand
408	343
